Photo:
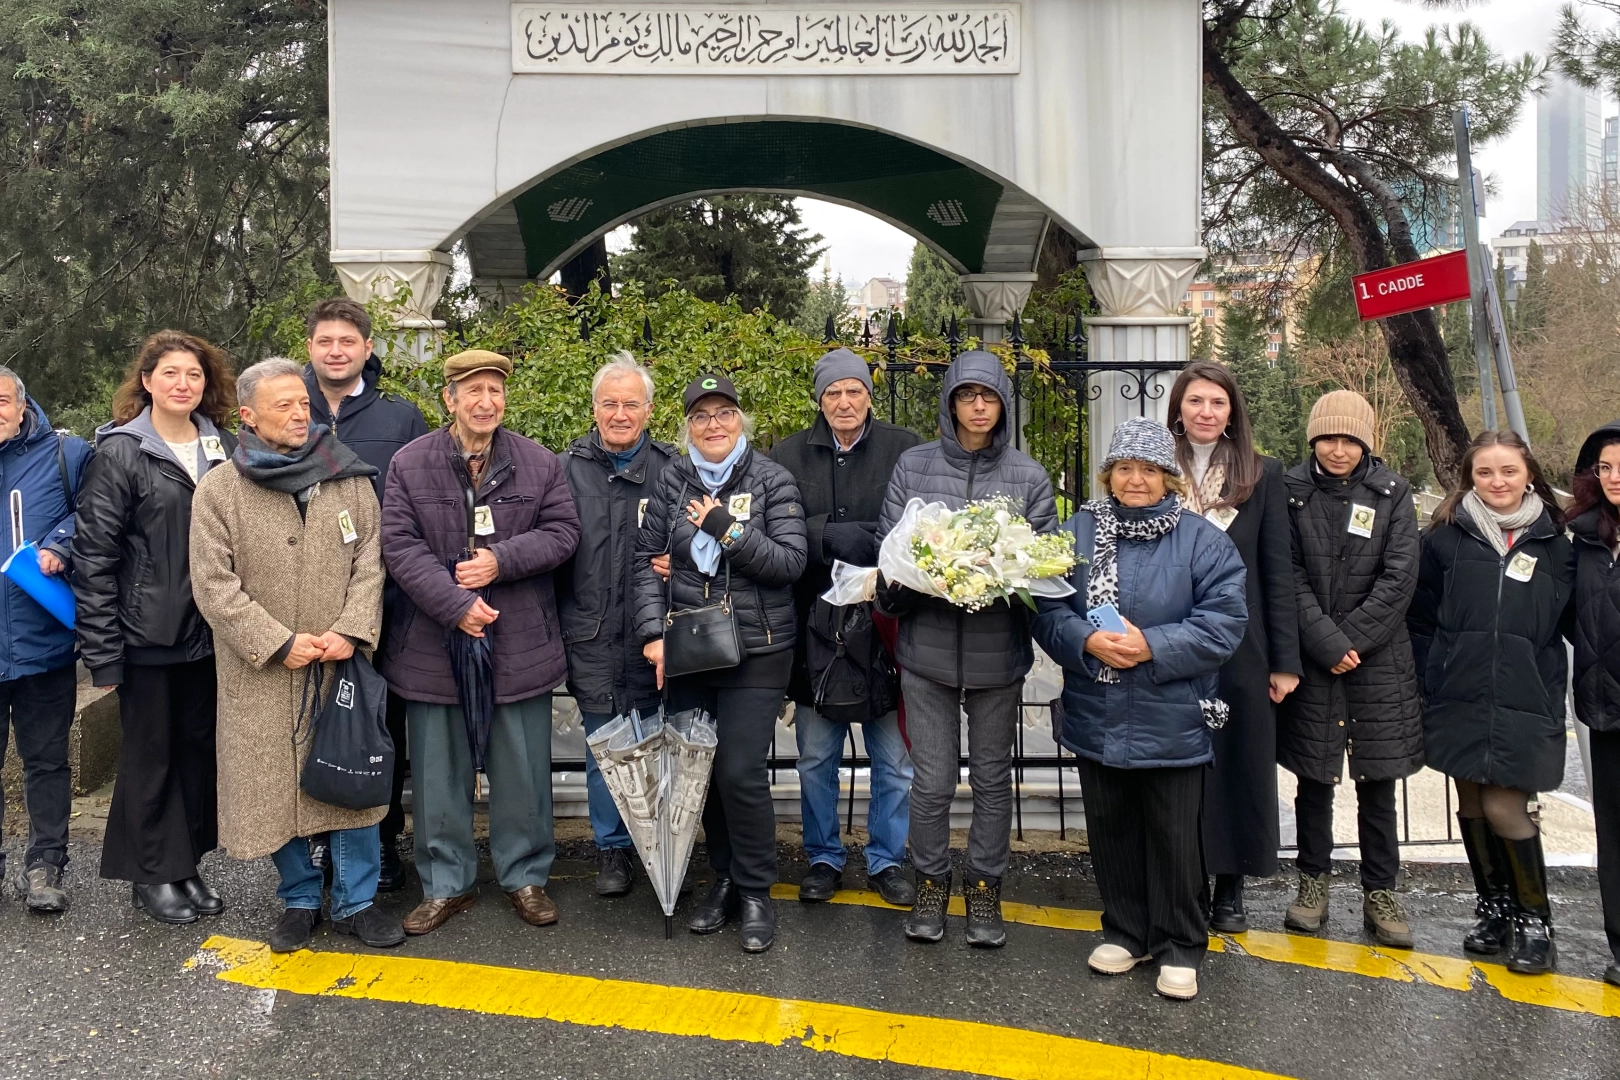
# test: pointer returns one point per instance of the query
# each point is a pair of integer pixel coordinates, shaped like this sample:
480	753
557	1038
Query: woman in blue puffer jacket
1139	705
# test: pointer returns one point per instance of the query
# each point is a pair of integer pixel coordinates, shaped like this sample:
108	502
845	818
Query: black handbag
351	755
852	678
698	639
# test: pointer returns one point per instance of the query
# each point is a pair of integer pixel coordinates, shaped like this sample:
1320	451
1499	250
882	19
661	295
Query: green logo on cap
709	384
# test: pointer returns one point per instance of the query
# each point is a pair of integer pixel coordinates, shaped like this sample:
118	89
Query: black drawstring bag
351	756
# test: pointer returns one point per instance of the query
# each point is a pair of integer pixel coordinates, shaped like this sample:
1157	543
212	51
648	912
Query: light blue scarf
705	548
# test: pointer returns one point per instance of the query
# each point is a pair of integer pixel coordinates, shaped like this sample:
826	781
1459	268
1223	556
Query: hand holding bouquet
972	557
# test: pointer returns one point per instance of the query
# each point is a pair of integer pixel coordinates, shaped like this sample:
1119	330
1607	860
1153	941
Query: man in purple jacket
473	479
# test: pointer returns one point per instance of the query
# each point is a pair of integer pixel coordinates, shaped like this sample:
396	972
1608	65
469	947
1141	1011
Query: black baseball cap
705	385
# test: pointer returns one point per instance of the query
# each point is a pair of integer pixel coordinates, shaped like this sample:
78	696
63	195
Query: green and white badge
1361	519
212	448
346	527
483	521
741	506
1222	517
641	512
1521	567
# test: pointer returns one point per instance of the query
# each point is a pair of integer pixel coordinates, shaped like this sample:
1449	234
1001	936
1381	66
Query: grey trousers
520	825
934	726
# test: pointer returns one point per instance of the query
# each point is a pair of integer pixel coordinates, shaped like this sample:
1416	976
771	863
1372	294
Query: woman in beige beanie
1356	551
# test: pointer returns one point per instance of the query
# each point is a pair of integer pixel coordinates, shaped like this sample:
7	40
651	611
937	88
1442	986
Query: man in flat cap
474	479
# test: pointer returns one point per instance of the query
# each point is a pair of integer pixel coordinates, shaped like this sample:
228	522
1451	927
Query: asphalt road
105	992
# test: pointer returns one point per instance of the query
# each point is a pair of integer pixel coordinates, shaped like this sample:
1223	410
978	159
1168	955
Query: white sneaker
1180	983
1114	960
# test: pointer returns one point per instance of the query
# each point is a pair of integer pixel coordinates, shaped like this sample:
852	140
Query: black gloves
855	542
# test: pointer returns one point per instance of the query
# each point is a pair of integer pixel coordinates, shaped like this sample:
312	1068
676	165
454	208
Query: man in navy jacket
40	472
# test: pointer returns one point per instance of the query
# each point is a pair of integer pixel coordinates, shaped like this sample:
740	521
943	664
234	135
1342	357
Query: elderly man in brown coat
286	566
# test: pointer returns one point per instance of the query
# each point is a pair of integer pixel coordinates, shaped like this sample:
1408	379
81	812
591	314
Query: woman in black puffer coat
1487	628
1595	522
728	518
1355	566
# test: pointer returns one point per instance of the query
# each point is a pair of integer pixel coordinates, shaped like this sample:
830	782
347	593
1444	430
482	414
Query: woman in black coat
726	519
1595	522
1356	550
140	630
1487	633
1242	494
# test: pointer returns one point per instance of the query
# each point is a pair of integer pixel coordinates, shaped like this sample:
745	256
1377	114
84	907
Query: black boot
391	872
165	903
758	923
721	907
982	898
927	919
1493	883
204	899
1533	951
1227	915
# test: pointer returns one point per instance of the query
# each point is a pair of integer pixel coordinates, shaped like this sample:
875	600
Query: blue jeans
356	860
888	812
606	824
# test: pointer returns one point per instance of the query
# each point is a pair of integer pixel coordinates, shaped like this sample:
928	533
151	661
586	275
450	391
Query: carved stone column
1139	291
385	275
994	299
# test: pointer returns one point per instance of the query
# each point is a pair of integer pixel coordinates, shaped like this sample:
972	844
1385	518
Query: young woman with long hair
1241	493
1487	627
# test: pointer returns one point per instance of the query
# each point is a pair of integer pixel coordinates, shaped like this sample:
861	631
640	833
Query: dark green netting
927	192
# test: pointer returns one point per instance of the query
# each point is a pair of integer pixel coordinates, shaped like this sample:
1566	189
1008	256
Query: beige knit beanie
1342	412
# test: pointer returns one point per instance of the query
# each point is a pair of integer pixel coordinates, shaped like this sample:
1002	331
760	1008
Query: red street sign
1410	286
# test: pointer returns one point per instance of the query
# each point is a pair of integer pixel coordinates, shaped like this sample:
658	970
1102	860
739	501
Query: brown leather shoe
535	907
434	912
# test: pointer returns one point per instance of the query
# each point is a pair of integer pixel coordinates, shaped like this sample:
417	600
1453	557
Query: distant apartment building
1611	156
877	296
1268	278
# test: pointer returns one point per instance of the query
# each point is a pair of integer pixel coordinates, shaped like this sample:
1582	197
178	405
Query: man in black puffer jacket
951	659
342	377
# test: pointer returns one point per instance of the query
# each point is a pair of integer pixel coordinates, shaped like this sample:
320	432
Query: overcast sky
863	247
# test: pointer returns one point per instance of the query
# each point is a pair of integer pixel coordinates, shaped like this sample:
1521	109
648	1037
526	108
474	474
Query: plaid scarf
1102	579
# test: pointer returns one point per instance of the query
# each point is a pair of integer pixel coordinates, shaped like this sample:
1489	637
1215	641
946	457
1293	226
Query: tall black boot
1533	951
1493	882
1228	916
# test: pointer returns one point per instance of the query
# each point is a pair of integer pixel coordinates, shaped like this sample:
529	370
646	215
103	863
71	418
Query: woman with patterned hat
1158	607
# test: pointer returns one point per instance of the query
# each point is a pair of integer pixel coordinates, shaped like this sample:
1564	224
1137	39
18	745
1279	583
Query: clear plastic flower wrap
972	557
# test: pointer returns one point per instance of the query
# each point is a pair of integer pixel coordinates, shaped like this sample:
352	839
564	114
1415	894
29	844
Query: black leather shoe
292	931
758	923
372	927
927	919
982	898
1227	916
614	874
391	871
819	884
1611	974
165	903
891	884
320	853
722	905
204	899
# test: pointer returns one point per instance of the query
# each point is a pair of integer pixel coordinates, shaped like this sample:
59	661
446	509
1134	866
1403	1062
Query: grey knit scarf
1496	525
1102	576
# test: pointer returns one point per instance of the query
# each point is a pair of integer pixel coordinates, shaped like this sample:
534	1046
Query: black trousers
393	822
1375	824
739	819
164	813
1147	850
40	709
1606	808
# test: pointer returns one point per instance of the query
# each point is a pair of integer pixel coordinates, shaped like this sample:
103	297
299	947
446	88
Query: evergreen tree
933	292
827	298
1268	381
1531	311
753	247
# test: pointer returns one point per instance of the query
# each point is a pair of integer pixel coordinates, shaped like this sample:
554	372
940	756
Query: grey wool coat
260	574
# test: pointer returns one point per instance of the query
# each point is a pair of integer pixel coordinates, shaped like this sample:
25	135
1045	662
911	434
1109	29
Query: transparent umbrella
657	769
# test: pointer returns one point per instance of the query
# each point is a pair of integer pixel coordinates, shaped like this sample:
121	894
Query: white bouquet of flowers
972	557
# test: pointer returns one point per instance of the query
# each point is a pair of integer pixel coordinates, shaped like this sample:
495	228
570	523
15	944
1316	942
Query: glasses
1604	471
968	395
611	407
702	419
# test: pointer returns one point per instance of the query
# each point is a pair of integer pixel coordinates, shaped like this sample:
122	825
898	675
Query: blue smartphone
1107	618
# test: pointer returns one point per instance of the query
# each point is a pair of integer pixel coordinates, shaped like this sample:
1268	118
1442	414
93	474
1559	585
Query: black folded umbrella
472	662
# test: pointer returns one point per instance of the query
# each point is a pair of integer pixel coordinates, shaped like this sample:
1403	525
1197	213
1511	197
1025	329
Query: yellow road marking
923	1041
1563	992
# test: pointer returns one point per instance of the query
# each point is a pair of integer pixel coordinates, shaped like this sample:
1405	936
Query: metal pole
1483	360
1511	404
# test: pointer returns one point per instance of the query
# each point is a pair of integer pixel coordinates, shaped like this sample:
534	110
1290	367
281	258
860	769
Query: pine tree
933	292
753	247
827	298
1530	313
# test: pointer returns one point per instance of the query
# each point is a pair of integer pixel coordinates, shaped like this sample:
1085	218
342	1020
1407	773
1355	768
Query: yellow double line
1401	965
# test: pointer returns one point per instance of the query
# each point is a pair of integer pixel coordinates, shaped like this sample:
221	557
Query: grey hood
984	369
141	428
